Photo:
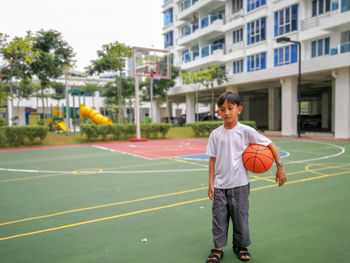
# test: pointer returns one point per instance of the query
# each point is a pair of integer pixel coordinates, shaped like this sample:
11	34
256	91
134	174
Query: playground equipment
56	123
95	116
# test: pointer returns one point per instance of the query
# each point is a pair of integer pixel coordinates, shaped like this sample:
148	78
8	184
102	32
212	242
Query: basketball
257	158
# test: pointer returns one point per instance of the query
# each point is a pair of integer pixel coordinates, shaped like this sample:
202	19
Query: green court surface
86	204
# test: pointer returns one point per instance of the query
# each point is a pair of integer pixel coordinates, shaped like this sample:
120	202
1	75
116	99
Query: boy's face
229	112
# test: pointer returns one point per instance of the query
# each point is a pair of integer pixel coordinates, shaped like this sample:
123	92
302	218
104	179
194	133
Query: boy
228	179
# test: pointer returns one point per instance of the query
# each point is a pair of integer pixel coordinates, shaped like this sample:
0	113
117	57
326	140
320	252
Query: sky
87	24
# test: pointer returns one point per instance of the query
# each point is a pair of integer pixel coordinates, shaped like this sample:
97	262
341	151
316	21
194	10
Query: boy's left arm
280	174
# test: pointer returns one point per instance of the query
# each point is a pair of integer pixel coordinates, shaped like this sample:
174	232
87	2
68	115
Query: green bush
90	130
2	122
16	135
33	132
205	128
3	141
95	132
155	130
128	130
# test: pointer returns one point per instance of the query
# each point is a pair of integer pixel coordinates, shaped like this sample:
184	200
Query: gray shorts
231	203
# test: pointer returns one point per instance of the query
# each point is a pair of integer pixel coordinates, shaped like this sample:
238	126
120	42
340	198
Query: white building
241	37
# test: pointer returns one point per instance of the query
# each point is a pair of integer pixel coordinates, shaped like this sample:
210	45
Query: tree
18	55
54	55
111	58
59	91
110	91
24	90
213	74
196	78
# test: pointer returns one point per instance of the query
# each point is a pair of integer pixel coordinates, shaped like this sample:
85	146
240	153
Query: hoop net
152	69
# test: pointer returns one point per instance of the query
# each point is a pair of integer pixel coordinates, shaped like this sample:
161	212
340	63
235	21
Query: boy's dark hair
231	97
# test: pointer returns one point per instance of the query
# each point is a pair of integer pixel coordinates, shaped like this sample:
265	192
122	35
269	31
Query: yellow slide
95	116
62	126
48	122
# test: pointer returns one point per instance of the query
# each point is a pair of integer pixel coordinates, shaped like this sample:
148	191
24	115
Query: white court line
342	150
131	154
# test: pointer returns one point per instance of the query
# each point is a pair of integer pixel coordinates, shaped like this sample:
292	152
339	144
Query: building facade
241	36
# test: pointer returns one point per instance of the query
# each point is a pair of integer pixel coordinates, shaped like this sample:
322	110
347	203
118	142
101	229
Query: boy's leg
238	207
220	218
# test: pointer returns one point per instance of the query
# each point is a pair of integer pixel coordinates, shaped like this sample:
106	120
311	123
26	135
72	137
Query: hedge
17	135
206	127
95	132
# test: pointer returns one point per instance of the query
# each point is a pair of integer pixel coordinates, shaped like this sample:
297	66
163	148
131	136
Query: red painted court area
155	149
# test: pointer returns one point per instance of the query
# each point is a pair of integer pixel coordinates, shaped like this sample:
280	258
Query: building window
205	51
238	66
285	55
256	62
168	39
345	5
256	31
286	20
320	6
237	5
345	42
185	4
168	17
237	36
253	4
320	47
186	56
186	30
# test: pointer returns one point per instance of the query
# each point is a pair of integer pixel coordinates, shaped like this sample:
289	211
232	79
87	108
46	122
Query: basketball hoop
152	69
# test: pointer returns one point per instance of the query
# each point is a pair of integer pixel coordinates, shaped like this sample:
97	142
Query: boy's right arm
211	178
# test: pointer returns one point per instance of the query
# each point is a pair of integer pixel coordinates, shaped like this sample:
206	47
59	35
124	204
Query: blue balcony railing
216	47
205	51
195	54
345	47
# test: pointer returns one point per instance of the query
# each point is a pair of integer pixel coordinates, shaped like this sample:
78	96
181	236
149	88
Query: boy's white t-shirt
227	146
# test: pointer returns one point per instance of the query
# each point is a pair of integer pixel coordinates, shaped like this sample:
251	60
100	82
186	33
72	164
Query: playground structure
95	116
57	120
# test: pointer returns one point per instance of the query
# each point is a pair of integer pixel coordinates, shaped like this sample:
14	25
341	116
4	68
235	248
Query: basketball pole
151	95
137	110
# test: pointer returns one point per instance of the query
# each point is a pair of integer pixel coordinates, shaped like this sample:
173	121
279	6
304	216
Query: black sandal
242	252
213	256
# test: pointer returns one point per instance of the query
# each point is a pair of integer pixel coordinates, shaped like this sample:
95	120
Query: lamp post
285	40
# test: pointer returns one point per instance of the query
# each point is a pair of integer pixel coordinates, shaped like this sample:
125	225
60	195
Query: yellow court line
162	207
188	162
102	206
32	177
105	218
261	178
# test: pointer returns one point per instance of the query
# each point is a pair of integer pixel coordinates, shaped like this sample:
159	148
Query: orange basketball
257	158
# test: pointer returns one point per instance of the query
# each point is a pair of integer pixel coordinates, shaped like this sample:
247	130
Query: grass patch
180	133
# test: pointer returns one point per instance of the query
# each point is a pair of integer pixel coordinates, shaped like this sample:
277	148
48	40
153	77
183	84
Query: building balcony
206	31
187	13
327	21
204	56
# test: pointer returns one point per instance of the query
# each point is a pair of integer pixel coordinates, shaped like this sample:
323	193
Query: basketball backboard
151	63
